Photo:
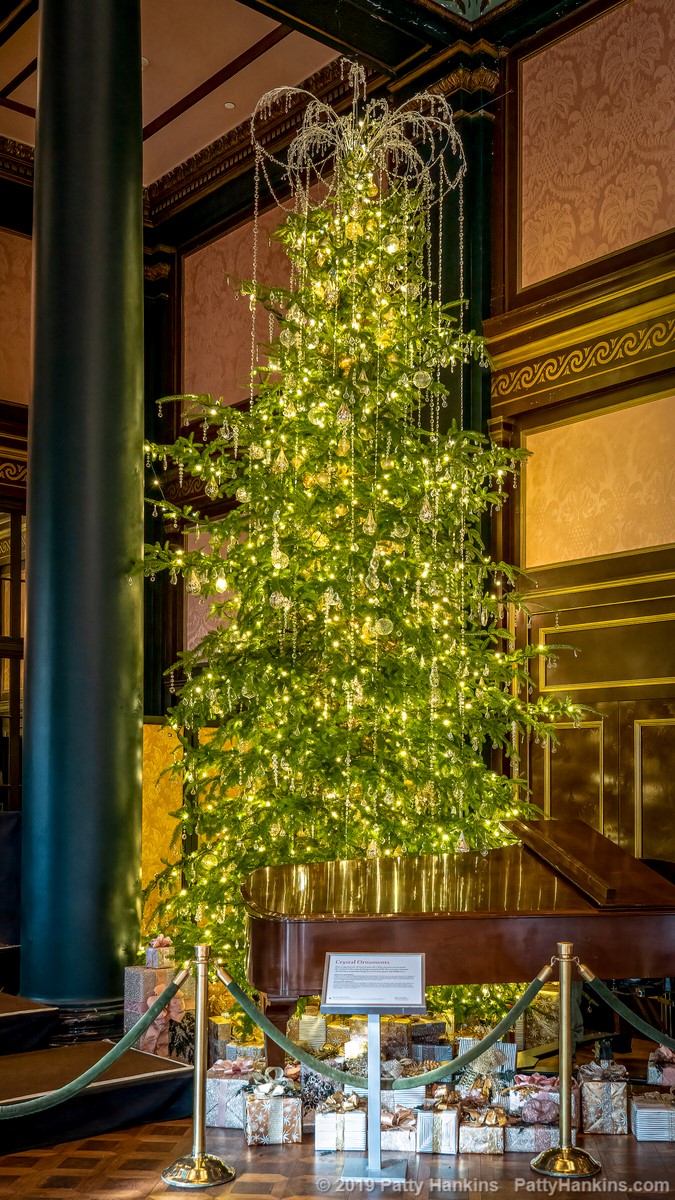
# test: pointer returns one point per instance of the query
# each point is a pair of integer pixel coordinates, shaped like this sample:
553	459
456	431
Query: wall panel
15	317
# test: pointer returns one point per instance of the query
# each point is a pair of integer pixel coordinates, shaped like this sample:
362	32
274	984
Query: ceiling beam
13	15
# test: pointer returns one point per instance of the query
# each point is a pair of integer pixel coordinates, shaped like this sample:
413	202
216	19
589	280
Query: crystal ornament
241	495
384	626
211	489
422	379
368	523
280	464
256	451
426	511
462	846
221	584
344	415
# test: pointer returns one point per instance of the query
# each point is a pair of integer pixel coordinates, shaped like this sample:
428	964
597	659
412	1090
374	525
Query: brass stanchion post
565	1159
199	1169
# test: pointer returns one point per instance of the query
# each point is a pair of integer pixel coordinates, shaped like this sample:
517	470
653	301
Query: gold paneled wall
602	485
162	795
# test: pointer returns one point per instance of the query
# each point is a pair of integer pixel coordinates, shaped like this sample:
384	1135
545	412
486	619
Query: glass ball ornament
241	495
384	626
353	231
422	379
221	584
279	559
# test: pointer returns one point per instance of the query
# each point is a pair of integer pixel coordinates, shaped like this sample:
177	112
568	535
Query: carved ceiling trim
16	160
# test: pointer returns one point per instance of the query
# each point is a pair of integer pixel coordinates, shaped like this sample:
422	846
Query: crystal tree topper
358	672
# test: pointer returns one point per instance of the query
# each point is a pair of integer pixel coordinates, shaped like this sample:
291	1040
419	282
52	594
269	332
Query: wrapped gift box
535	1099
139	983
604	1098
220	1033
293	1029
312	1030
315	1087
541	1018
182	1038
395	1037
437	1130
431	1052
481	1139
337	1033
499	1058
159	953
225	1083
661	1067
425	1029
340	1124
399	1129
652	1117
411	1097
358	1026
253	1050
530	1139
272	1120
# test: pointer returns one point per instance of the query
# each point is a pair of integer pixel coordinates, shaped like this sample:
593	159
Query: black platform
138	1088
24	1024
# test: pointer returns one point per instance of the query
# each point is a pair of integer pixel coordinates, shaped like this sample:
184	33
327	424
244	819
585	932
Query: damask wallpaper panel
15	317
603	485
216	319
162	795
196	608
597	138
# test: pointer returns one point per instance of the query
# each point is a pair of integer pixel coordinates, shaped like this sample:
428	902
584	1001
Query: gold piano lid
428	885
556	867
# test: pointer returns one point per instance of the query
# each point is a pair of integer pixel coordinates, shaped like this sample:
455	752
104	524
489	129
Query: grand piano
493	918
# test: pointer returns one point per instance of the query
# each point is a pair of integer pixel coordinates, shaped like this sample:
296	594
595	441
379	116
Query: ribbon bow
400	1118
541	1083
292	1071
159	941
478	1117
339	1103
595	1072
272	1082
657	1097
230	1068
663	1055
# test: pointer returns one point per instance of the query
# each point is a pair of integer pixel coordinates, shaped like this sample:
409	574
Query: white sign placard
372	983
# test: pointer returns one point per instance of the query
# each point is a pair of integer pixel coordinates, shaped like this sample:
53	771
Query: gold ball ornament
353	231
341	510
308	480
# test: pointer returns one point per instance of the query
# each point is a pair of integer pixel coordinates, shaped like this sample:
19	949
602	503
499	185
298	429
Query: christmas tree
359	673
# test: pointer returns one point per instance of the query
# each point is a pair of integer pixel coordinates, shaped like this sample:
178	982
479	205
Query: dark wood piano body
479	919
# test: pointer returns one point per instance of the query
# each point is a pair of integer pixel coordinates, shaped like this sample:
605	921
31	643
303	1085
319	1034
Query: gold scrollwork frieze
593	358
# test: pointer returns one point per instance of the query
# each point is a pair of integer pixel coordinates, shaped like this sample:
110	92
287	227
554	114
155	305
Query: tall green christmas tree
359	673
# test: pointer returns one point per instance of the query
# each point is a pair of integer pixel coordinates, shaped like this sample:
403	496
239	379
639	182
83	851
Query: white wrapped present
499	1058
312	1030
398	1129
340	1124
438	1130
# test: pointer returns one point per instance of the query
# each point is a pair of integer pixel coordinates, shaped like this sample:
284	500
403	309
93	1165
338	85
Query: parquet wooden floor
128	1166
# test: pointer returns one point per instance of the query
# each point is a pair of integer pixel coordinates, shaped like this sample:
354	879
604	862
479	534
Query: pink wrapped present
604	1097
530	1139
661	1066
159	953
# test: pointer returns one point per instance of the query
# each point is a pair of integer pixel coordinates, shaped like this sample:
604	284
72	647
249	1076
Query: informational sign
373	983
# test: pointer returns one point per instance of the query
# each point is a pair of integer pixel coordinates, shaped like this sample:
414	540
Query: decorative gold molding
601	766
16	160
13	471
467	79
154	271
232	154
585	361
637	774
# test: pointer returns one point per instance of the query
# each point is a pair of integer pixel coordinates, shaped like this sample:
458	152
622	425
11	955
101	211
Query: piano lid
566	867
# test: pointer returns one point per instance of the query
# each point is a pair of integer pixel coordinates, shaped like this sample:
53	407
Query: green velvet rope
624	1011
25	1108
344	1078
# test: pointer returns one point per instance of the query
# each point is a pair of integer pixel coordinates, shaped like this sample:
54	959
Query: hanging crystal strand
254	346
461	298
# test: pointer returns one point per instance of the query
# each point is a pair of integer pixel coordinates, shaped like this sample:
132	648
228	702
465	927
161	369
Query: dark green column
83	713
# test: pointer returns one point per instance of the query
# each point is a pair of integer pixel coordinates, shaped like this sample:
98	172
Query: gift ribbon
489	1117
657	1097
400	1118
272	1082
540	1110
231	1068
542	1083
664	1056
159	941
339	1103
594	1072
156	1040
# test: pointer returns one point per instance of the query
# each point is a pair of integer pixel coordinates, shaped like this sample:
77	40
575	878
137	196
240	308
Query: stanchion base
389	1172
200	1171
566	1162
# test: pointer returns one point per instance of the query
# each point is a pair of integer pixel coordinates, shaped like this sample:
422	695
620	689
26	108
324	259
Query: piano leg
278	1010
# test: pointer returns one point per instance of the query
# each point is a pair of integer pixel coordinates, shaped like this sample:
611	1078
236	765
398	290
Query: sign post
374	984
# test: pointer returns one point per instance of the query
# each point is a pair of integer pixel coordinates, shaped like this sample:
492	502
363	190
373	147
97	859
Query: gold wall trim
601	766
629	581
586	361
638	726
613	623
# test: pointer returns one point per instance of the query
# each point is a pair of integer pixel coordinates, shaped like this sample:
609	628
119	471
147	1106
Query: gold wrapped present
604	1097
220	1034
358	1026
395	1037
312	1029
541	1018
273	1110
293	1029
398	1129
337	1032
